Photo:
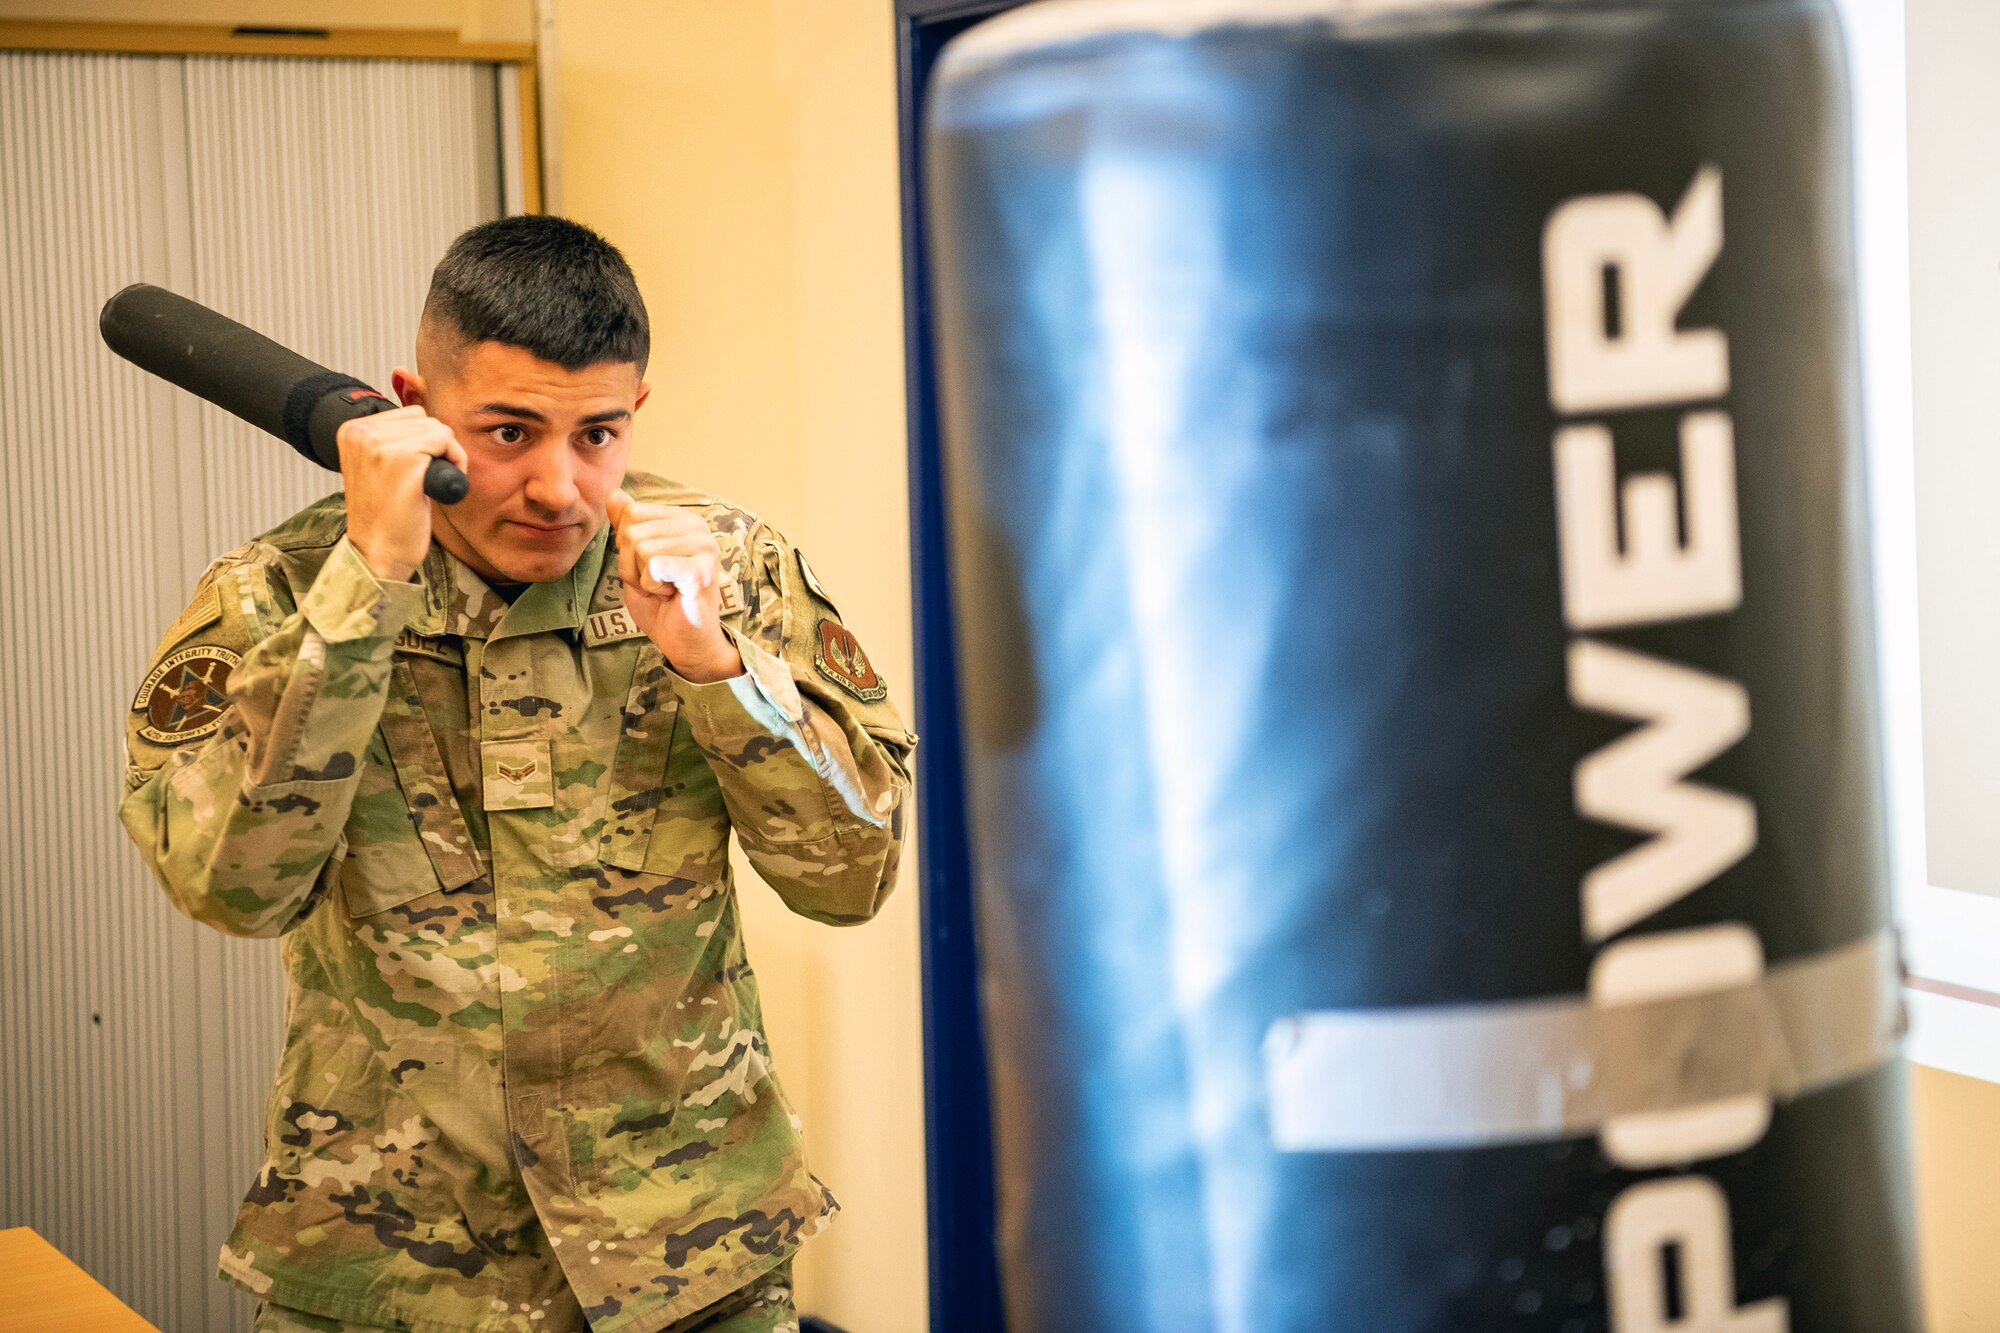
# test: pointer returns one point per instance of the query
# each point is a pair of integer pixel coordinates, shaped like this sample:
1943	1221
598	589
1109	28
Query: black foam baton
241	371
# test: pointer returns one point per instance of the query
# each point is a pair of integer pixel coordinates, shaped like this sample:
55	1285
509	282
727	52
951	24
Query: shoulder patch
838	656
812	580
186	695
202	612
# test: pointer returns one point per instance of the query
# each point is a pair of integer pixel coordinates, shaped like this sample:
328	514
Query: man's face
547	446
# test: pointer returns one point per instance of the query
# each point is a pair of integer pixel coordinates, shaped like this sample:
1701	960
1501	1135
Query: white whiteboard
1927	121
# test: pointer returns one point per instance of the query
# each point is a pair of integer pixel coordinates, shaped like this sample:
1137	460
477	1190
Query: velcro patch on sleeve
202	612
838	656
817	588
186	695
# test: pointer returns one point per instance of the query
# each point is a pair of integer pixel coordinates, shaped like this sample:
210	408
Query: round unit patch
837	654
186	695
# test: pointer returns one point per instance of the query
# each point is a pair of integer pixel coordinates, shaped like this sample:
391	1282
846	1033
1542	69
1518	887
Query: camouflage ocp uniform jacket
524	1080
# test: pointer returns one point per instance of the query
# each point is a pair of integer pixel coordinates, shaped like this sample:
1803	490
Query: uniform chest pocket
663	810
406	835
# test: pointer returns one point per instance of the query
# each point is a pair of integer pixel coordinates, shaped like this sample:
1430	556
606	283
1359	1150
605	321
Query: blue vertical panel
964	1273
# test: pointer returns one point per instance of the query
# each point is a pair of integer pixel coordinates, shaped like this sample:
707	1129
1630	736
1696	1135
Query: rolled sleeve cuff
347	602
726	716
763	700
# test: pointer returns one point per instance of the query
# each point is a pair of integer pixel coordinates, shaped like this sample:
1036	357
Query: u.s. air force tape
1515	1071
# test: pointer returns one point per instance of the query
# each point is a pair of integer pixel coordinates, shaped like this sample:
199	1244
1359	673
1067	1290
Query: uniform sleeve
244	741
811	756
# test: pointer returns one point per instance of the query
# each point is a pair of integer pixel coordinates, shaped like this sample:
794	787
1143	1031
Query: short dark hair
544	284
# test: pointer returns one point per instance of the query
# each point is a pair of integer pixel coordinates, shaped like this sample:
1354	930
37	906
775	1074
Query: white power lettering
1617	272
1656	577
1639	782
1641	969
1667	1263
1623	243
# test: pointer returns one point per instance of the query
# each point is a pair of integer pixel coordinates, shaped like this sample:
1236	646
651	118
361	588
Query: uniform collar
458	601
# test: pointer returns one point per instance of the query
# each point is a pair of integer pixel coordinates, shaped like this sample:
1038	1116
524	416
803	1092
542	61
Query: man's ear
640	401
408	385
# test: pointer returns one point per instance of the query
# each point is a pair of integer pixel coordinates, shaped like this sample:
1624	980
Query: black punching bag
1407	547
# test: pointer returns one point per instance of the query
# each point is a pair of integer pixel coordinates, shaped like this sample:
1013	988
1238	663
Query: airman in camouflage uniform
525	1083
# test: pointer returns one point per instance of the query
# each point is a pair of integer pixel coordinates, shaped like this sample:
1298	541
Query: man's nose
552	480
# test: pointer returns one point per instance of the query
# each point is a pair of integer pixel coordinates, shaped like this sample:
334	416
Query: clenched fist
672	570
382	463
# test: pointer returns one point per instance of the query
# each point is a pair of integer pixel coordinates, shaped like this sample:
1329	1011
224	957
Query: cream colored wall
1958	1199
743	153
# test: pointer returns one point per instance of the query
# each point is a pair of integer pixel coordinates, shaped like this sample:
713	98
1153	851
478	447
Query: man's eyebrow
510	410
608	415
